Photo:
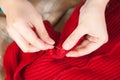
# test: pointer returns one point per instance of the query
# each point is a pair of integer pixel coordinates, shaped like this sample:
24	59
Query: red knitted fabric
102	64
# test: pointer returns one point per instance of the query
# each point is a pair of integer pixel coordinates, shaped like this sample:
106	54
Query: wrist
98	3
8	5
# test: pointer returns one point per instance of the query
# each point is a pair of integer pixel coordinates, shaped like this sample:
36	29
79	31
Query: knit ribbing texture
102	64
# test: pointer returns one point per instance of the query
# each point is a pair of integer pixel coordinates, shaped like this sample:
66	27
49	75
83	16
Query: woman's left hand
91	23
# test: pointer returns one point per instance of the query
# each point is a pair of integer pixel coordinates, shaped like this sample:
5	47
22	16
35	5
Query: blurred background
56	11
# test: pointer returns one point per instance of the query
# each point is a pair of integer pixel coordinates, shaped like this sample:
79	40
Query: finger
42	32
72	40
22	43
85	48
29	35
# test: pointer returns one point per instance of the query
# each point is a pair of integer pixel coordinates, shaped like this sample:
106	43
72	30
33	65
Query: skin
21	17
91	22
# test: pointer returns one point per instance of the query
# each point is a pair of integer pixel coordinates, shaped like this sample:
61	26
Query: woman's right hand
21	17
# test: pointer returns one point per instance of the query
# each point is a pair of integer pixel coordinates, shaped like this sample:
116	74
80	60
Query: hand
91	23
21	18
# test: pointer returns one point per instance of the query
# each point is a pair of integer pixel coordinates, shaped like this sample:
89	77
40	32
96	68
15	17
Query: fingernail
66	46
51	41
49	46
69	55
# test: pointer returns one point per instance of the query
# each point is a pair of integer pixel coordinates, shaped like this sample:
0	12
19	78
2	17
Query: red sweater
102	64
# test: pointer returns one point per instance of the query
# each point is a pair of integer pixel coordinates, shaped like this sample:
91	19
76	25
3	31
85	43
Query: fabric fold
102	64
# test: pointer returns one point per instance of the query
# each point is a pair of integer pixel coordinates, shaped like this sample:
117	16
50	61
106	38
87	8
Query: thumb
74	37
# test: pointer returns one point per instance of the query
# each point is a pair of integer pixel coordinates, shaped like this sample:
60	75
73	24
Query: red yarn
102	64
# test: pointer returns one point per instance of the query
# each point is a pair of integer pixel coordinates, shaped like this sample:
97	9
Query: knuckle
105	39
43	31
39	17
38	21
18	22
35	40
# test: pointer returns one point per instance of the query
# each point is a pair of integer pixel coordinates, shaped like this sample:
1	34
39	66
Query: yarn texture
102	64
